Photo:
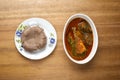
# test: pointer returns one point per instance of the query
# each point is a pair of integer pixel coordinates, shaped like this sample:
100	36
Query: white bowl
95	38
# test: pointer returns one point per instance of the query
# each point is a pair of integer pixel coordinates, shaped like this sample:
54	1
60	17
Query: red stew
79	39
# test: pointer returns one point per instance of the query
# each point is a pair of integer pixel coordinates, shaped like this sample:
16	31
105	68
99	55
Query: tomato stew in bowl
80	38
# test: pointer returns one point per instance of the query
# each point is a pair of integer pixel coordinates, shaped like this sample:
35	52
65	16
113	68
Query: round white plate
50	34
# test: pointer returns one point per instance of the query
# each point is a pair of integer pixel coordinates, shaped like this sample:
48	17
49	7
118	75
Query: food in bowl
80	39
33	38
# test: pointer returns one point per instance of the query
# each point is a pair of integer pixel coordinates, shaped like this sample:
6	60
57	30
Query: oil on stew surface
79	39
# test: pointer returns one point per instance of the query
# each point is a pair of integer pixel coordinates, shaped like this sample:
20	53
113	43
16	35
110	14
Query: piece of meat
84	27
88	38
33	38
80	47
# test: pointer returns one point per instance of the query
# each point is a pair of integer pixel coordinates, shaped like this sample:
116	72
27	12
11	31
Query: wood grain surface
104	66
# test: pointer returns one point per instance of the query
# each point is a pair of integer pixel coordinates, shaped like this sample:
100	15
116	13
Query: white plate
49	31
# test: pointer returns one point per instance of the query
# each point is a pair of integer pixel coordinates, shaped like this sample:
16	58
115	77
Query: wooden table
104	66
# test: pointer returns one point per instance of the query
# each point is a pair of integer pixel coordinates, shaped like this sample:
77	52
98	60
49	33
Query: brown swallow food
33	38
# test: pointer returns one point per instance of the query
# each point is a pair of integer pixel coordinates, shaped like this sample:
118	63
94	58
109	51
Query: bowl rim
95	38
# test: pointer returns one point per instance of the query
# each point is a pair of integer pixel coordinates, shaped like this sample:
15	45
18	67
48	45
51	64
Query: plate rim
31	58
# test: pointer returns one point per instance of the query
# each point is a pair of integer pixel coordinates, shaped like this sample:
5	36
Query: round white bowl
95	38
